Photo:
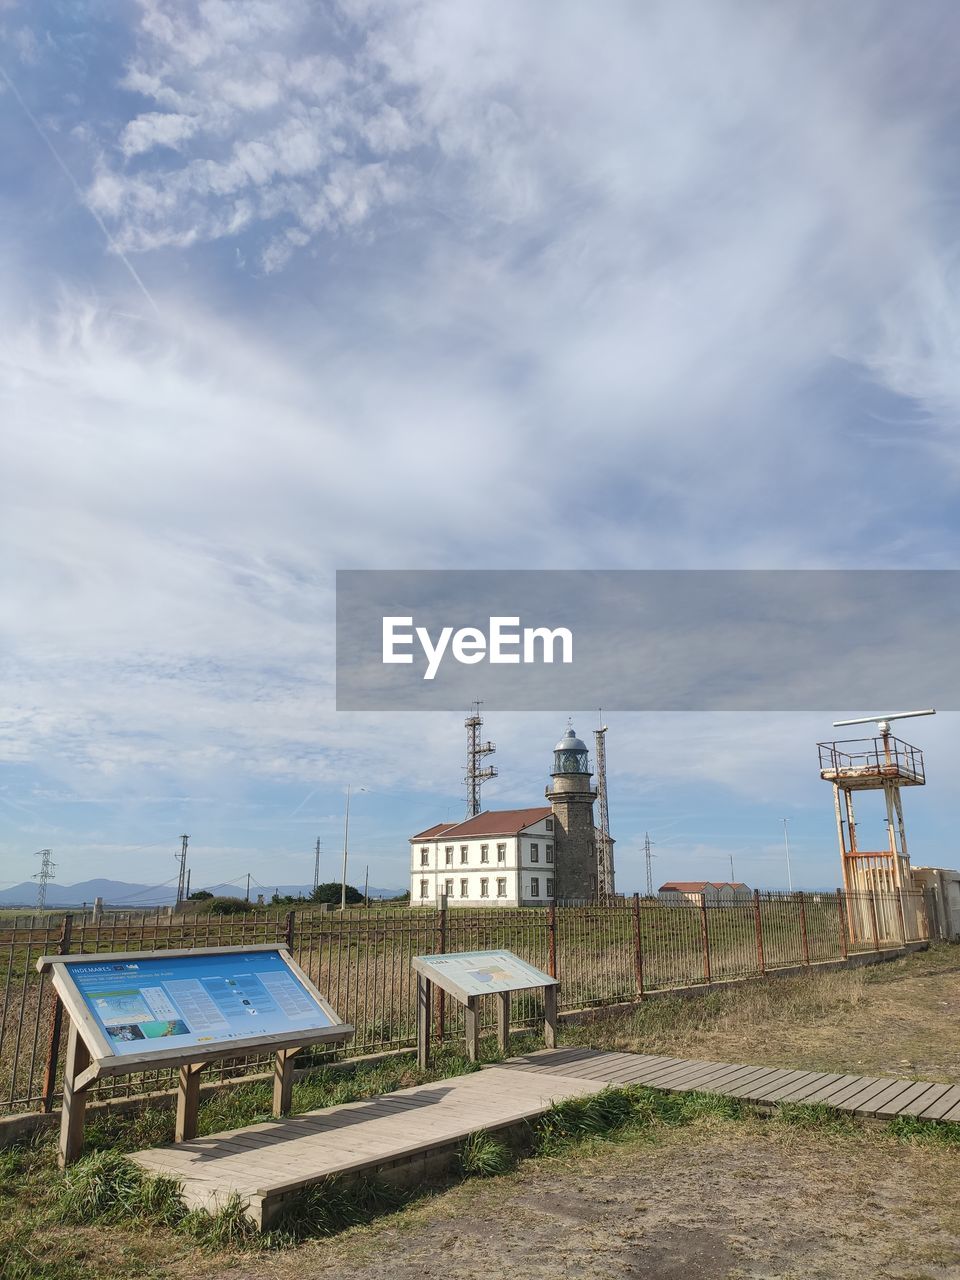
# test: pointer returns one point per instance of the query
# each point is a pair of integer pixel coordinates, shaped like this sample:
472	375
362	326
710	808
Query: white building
498	858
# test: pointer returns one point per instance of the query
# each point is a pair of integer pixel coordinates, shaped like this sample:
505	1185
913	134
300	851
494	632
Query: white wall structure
502	858
943	887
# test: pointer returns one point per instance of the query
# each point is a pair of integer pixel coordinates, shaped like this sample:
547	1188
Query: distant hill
121	893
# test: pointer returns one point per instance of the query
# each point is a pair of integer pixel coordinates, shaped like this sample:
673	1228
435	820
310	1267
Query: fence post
552	939
637	946
56	1023
705	937
804	940
758	928
900	919
842	924
288	930
873	919
440	946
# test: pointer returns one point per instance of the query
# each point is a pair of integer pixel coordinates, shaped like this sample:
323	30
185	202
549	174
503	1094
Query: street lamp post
786	849
346	834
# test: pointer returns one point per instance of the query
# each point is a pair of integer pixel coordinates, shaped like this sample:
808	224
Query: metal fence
360	959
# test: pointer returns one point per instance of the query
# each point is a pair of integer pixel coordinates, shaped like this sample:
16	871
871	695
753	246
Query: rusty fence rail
360	959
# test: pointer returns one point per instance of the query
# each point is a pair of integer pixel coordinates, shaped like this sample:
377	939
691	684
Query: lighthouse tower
571	797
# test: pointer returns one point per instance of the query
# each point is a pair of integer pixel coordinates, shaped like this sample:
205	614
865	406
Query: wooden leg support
503	1020
471	1022
283	1081
424	1011
74	1100
188	1101
550	1017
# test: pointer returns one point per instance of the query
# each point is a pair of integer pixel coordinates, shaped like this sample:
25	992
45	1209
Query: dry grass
891	1019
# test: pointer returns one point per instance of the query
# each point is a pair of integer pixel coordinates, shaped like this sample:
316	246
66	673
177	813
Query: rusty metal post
900	919
873	920
758	929
440	946
804	940
552	940
637	946
56	1023
705	937
842	924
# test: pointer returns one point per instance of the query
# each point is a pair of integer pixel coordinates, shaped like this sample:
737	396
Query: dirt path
739	1200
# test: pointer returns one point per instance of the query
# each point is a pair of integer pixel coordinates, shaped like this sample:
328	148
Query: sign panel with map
146	1003
466	974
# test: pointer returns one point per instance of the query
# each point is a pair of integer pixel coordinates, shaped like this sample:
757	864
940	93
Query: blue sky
421	285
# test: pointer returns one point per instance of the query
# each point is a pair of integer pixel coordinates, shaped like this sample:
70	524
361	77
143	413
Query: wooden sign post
470	975
138	1010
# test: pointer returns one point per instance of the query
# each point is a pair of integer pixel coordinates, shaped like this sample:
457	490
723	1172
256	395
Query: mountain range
120	893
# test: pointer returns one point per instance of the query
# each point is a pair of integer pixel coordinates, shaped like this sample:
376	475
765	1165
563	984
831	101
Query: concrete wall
943	900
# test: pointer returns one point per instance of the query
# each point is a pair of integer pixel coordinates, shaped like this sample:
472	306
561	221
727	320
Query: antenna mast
648	856
46	873
316	867
476	750
182	882
605	888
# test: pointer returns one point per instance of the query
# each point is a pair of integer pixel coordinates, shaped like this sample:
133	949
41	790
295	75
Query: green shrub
224	907
484	1156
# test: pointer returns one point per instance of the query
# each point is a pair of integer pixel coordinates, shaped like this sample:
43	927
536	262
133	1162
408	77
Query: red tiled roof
493	822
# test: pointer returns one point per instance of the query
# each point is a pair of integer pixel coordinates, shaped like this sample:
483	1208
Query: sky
290	288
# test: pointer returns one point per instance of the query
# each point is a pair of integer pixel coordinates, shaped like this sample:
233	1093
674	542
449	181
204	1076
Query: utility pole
44	875
786	849
476	750
366	886
605	887
182	882
648	855
733	878
188	884
247	898
316	867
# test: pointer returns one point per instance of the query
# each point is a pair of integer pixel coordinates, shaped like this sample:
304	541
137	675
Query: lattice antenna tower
182	881
648	856
476	774
43	877
605	885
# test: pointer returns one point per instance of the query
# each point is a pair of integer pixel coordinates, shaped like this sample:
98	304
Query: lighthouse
571	799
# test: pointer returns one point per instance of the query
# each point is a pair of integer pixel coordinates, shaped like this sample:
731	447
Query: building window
463	888
424	858
448	855
549	852
448	888
501	887
535	887
548	823
484	888
484	853
534	853
549	887
501	853
424	888
464	850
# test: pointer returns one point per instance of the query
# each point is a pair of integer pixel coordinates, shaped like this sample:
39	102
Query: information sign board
191	1004
466	974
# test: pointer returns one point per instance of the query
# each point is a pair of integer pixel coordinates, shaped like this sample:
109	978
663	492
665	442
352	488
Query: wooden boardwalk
407	1133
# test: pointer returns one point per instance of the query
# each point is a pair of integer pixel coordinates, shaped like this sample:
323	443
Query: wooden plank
749	1087
802	1091
896	1105
943	1105
837	1085
790	1081
877	1092
283	1081
503	1020
918	1105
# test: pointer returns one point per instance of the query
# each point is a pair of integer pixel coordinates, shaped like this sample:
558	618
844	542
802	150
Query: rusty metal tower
881	763
476	751
605	874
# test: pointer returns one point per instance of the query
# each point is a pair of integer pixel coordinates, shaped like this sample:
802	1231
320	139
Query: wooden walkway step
412	1132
